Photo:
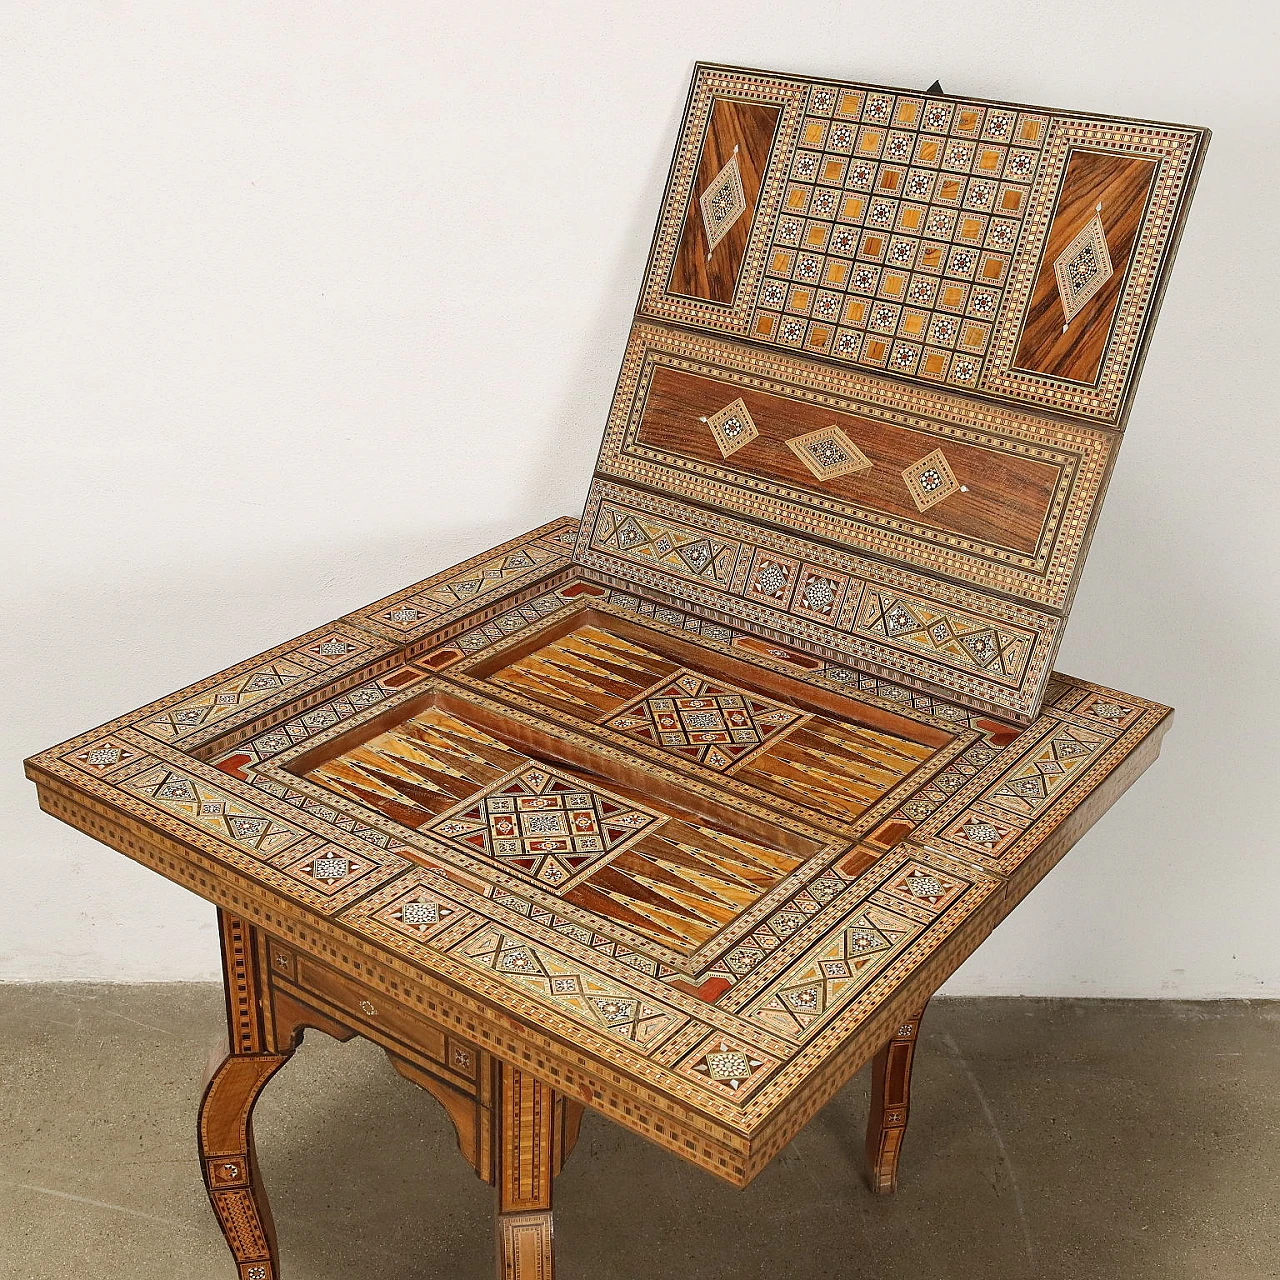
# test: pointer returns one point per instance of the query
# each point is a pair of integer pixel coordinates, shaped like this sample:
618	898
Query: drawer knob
367	1009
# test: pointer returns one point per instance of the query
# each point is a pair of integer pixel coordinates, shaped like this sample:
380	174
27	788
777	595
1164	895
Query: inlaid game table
683	811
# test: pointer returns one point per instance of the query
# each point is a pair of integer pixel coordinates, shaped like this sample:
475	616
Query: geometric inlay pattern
732	427
544	825
705	720
1082	268
930	480
409	611
689	552
729	1065
105	754
1028	788
821	981
828	453
899	220
634	536
602	1004
973	642
213	810
225	699
723	202
724	972
922	884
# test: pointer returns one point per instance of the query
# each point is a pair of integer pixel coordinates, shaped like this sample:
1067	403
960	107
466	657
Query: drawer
374	1015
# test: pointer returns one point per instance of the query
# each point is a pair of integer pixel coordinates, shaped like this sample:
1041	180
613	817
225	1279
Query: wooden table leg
225	1129
890	1104
529	1146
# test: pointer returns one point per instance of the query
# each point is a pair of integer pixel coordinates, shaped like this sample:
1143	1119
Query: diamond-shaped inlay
416	914
819	594
422	913
828	453
930	480
1082	268
731	1066
923	884
705	720
723	202
771	578
330	868
732	427
104	755
728	1064
1109	710
955	637
406	615
981	833
545	825
332	648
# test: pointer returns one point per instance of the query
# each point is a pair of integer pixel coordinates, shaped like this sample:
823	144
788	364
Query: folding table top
881	362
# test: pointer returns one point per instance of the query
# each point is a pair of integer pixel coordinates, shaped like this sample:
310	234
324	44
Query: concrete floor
1049	1139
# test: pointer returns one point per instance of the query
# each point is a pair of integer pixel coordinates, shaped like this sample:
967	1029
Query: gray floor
1049	1139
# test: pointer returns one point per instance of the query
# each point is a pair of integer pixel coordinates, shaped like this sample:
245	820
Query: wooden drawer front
375	1016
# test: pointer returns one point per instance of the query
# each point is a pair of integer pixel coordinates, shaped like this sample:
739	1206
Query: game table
683	811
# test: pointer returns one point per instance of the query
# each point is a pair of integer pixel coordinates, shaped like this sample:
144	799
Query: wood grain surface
561	827
1008	496
1120	184
890	1105
749	127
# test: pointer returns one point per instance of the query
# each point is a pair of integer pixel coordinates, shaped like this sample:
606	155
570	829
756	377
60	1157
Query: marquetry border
708	84
725	595
963	736
696	783
427	606
1178	153
1081	454
1179	149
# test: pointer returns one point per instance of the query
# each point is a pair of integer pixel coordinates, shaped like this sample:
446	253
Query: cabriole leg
890	1102
528	1150
225	1129
231	1166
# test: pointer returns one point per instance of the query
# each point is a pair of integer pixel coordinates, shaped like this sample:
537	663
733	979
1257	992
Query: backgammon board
684	810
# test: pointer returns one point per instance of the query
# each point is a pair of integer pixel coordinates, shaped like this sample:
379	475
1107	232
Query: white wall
300	302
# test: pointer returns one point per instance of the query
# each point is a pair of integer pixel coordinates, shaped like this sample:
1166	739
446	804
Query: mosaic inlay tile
705	720
732	427
1082	268
723	202
544	825
729	1065
828	453
930	480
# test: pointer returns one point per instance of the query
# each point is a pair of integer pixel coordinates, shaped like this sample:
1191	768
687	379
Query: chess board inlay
899	221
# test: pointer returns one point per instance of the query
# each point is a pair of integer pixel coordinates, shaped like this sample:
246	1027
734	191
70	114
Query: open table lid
884	350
